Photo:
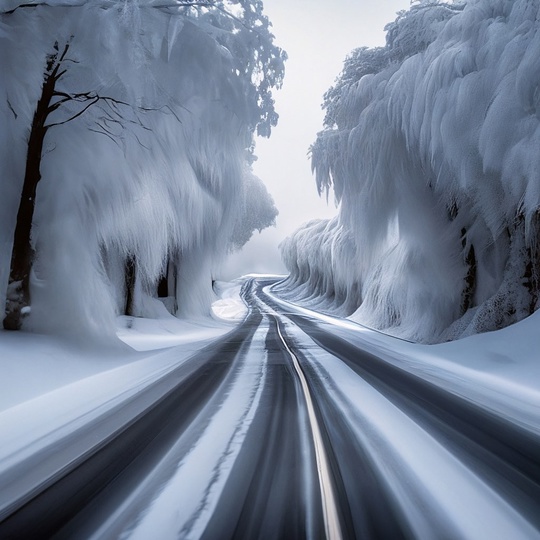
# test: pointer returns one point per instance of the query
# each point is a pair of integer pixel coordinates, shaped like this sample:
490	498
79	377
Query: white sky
317	35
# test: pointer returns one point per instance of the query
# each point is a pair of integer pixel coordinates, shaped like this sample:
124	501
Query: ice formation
431	147
147	183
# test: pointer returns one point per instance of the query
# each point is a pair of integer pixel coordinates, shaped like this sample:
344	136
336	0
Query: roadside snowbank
60	395
33	364
151	334
230	307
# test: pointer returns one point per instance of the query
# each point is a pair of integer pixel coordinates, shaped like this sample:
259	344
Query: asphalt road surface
284	429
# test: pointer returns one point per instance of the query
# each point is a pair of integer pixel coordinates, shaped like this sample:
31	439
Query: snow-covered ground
230	307
34	364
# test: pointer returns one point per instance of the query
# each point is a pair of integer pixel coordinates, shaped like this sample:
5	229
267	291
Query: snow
150	334
86	407
36	364
438	493
230	306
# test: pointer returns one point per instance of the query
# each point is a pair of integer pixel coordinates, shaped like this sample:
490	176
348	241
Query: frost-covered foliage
432	148
148	179
256	211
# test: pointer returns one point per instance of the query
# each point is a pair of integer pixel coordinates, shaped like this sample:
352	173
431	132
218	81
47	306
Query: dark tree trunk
166	287
173	281
18	294
467	298
163	286
470	281
130	274
531	277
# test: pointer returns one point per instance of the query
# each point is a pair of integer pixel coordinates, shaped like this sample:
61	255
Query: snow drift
148	179
431	147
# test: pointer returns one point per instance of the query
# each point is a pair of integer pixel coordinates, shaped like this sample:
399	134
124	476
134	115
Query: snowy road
285	428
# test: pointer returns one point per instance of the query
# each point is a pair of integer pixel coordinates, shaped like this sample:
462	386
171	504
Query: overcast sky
317	35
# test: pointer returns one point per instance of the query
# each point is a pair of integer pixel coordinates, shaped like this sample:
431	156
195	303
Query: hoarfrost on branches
144	184
431	148
256	212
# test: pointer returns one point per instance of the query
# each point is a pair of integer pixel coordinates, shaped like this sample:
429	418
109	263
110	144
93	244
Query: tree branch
57	62
56	93
57	104
104	132
139	141
58	76
34	5
93	102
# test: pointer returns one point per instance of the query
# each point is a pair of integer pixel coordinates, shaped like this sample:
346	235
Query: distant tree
257	211
360	62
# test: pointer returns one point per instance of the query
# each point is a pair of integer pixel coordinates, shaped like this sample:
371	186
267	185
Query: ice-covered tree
429	146
137	123
256	211
53	99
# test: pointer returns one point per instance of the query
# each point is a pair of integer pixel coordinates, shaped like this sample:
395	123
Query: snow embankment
33	364
230	307
44	433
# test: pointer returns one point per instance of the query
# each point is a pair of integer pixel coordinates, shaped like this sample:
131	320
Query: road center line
330	513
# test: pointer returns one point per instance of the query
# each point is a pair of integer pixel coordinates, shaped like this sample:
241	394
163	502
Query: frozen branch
92	102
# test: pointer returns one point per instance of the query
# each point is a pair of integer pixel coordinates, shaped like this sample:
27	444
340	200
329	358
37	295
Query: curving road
286	429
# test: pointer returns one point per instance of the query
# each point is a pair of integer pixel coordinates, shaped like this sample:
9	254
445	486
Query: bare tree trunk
163	287
166	287
130	274
167	282
467	296
18	294
470	281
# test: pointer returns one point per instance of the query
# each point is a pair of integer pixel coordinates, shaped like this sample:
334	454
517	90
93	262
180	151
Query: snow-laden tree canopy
256	212
431	147
145	165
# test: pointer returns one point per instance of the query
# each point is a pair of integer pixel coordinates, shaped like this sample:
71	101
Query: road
286	429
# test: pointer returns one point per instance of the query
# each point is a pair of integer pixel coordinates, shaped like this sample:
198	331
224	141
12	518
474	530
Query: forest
126	155
430	148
